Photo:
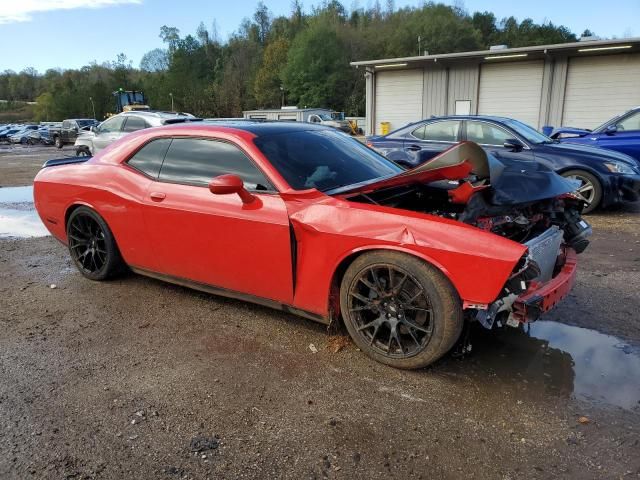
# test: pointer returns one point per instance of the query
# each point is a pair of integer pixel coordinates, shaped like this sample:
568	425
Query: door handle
157	196
414	148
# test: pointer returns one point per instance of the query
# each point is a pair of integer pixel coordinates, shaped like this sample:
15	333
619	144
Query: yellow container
385	128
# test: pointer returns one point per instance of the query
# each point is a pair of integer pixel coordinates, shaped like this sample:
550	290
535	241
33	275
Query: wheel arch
349	257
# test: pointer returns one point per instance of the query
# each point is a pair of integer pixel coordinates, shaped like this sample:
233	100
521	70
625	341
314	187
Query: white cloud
22	10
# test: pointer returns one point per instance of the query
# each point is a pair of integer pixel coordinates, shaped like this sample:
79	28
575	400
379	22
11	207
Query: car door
430	139
217	239
491	137
625	137
107	132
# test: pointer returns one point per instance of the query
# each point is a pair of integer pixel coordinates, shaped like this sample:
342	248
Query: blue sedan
606	177
621	133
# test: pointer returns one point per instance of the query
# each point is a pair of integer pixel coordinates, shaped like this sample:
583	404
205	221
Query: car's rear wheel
92	245
590	189
400	310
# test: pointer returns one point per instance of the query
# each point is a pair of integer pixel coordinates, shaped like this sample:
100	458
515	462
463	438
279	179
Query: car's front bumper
542	297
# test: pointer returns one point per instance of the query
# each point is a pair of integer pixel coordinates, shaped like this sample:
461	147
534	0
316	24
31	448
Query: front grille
544	250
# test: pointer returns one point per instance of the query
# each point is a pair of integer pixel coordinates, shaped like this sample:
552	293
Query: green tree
268	83
317	68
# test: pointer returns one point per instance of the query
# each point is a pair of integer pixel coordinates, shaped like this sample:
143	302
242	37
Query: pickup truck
69	131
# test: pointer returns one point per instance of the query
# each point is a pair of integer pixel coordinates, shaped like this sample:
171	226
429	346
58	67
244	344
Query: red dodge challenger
305	219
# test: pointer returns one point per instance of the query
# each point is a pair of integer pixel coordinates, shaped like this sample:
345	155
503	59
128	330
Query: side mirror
611	129
94	128
228	184
513	144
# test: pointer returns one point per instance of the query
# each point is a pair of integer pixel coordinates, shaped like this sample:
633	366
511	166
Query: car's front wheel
58	142
92	245
590	189
400	310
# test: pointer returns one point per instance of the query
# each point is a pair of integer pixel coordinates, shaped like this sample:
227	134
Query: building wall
442	86
463	85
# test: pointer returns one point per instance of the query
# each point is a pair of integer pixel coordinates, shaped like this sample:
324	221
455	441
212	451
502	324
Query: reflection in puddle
18	217
553	358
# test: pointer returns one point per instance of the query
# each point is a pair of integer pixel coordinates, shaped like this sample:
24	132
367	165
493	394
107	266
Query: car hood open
510	181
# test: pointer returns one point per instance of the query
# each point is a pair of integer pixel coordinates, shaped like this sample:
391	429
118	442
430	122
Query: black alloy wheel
92	246
400	310
391	310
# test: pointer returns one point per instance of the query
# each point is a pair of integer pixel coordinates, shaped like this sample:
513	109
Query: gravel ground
135	378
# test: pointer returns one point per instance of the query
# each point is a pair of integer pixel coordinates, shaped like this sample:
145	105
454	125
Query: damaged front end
522	201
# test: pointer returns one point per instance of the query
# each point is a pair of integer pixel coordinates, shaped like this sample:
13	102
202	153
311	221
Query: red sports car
305	219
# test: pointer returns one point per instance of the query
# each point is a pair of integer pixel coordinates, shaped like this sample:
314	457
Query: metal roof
584	47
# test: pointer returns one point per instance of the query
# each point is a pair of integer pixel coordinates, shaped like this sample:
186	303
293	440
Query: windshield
529	133
323	159
84	123
325	116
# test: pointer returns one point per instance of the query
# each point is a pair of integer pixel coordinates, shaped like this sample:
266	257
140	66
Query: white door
599	88
398	98
511	90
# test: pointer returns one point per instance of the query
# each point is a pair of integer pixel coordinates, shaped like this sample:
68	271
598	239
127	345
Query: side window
196	161
66	124
486	134
630	123
114	124
149	158
134	123
445	131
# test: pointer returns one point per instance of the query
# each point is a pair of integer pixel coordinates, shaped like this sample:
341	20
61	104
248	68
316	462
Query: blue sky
40	34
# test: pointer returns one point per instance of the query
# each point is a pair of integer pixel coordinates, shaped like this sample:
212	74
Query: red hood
456	163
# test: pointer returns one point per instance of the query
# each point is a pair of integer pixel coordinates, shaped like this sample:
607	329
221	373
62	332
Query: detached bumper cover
619	188
542	297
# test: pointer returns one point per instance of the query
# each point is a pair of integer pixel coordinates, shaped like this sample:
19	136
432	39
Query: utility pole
282	90
171	95
419	45
93	107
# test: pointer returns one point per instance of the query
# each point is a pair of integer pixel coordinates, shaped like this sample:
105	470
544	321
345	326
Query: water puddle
552	358
18	217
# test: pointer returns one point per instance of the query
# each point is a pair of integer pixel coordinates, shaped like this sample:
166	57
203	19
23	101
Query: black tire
57	141
83	152
413	305
590	182
92	245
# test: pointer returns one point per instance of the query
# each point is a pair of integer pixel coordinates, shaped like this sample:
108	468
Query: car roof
156	113
257	128
493	118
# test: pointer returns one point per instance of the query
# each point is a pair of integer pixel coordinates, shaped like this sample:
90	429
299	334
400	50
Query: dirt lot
135	378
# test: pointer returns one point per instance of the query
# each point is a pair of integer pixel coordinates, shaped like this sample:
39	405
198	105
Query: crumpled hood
511	181
522	181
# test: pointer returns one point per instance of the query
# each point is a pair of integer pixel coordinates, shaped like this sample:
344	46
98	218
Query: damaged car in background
307	220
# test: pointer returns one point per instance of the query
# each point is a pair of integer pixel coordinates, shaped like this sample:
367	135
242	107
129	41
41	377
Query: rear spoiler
64	161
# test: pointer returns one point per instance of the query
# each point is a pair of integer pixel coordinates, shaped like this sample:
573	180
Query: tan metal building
579	84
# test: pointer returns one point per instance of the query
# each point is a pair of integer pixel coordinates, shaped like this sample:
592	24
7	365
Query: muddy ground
135	378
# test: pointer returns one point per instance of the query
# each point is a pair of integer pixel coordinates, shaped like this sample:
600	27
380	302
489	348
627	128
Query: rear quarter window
148	159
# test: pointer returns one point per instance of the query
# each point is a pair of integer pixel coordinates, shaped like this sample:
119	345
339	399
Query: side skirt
223	292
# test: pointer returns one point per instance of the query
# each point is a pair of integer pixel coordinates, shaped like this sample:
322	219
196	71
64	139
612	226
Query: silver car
116	127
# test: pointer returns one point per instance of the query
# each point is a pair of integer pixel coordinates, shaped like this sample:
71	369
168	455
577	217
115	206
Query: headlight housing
619	167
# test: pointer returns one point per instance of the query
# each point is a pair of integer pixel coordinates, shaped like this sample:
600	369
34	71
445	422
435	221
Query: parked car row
27	134
97	137
603	176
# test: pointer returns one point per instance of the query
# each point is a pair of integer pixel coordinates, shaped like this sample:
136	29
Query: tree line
297	59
